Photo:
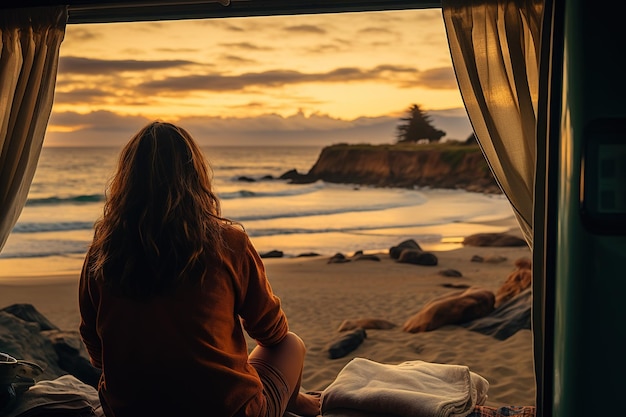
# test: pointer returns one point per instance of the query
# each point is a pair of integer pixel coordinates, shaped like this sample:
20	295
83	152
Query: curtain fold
29	55
494	46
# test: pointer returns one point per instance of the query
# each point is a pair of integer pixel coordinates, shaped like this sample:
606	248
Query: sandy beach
318	296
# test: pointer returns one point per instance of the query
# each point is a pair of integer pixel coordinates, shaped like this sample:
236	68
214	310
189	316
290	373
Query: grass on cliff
443	146
452	153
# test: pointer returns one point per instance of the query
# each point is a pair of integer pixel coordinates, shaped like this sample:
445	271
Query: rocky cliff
431	165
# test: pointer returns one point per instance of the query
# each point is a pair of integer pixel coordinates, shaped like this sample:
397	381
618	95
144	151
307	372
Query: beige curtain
29	56
495	52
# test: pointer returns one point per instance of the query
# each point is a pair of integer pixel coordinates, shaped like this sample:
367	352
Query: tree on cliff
417	125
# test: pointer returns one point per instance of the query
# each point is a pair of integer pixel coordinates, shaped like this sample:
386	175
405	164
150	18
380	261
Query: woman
167	289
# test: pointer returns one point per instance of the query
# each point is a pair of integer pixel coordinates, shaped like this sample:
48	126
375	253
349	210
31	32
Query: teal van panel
590	278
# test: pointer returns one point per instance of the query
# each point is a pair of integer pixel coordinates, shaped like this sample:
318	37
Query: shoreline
441	238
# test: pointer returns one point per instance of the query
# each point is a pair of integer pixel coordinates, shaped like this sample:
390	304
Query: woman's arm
261	311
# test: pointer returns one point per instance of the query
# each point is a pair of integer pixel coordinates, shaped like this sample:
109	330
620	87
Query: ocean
67	195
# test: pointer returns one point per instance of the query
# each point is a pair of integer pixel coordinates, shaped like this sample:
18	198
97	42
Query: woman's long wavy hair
161	223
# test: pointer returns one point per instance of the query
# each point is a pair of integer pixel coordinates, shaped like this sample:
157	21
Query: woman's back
185	350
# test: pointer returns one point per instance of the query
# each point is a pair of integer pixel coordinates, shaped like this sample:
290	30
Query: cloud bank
105	128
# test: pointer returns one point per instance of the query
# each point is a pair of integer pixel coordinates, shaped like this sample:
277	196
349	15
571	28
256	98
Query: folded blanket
411	389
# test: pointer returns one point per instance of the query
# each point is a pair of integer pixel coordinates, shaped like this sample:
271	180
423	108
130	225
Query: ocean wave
285	192
28	227
20	255
54	200
294	215
44	248
294	212
359	230
237	194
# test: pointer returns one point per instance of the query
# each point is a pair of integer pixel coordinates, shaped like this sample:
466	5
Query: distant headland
405	165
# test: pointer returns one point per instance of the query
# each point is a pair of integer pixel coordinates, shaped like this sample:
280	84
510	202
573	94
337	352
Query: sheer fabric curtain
495	48
29	56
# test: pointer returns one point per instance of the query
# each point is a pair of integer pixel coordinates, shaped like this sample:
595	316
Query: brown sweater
184	354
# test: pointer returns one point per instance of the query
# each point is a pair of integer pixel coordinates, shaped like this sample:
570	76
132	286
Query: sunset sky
284	80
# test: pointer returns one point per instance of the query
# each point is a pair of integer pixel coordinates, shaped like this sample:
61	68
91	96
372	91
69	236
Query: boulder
360	256
451	308
272	254
338	258
34	338
516	282
506	320
395	251
417	257
291	174
295	177
346	343
24	340
28	313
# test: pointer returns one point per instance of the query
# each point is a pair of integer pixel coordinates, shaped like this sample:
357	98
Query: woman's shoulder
234	235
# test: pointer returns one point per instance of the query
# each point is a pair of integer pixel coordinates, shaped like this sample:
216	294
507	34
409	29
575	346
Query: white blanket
411	389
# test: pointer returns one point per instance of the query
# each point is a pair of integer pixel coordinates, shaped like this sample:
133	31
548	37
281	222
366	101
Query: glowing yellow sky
297	69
